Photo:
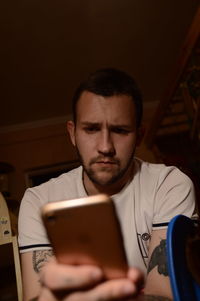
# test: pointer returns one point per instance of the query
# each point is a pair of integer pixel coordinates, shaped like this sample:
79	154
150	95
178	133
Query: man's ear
140	135
71	131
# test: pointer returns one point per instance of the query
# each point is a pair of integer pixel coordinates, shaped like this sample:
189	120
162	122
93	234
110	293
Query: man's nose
105	143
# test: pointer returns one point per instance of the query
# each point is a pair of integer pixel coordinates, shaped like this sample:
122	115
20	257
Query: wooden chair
6	237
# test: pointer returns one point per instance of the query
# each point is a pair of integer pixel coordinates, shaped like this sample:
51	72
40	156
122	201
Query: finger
109	290
45	295
114	289
58	276
136	276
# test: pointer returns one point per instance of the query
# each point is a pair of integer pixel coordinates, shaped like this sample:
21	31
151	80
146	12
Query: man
106	129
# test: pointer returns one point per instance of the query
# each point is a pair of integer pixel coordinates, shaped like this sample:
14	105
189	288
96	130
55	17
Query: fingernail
128	288
96	274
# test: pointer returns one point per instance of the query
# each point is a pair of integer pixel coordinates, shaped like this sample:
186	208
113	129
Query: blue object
184	287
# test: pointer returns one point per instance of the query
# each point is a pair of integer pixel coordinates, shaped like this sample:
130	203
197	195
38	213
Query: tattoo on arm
40	258
159	259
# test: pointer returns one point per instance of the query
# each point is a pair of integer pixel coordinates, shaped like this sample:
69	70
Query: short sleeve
32	234
175	195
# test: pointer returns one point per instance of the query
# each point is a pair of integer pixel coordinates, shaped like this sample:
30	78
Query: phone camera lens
51	218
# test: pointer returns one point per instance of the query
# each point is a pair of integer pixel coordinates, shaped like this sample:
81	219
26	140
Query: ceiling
48	47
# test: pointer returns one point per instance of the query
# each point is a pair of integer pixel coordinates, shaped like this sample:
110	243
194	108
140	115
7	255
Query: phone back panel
86	231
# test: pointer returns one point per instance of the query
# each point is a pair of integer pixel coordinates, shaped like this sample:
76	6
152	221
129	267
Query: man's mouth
105	162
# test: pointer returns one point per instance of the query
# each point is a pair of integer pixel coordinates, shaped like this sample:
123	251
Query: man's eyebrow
125	127
120	126
89	123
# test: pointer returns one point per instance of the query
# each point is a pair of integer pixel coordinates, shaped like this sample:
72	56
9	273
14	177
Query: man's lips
106	162
105	166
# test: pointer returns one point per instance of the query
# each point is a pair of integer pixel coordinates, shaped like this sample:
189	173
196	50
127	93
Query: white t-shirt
155	195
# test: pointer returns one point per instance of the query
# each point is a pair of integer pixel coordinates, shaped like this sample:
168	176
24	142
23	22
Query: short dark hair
109	82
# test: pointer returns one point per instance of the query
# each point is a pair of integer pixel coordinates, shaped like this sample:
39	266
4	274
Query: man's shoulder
146	168
71	176
159	171
67	185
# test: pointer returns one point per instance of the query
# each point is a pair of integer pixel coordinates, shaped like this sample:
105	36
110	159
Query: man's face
105	137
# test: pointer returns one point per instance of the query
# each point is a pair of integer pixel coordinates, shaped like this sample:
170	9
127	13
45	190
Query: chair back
6	237
184	287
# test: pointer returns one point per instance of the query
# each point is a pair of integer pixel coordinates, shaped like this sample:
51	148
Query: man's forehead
117	109
90	100
105	120
88	94
101	123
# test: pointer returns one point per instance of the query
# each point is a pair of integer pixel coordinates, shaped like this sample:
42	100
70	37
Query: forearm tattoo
40	258
159	259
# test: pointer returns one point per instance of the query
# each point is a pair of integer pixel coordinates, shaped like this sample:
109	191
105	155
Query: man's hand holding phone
84	283
90	261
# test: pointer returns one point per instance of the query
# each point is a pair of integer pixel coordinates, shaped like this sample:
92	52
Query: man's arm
57	277
158	282
31	263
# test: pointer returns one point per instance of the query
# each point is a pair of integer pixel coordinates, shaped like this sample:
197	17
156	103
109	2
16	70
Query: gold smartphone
86	231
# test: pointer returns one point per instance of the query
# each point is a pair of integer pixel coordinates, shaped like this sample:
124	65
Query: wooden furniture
174	133
179	109
6	237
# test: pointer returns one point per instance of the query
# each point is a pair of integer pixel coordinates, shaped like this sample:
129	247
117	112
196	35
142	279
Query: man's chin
103	178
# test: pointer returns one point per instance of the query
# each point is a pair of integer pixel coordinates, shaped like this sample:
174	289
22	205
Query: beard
104	176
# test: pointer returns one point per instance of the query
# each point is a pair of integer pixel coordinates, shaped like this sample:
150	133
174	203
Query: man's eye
121	131
91	129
